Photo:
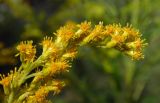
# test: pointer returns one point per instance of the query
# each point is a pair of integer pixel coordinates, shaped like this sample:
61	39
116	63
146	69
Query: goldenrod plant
57	55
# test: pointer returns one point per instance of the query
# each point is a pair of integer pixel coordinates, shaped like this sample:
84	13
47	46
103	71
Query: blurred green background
97	75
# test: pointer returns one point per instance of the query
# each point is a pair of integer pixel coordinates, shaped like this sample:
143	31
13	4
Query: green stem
11	97
33	74
29	68
22	97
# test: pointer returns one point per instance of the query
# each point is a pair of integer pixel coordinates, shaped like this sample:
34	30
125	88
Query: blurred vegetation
97	76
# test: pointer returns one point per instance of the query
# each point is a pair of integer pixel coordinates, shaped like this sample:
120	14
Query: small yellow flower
83	30
64	34
6	80
47	43
112	29
136	55
56	67
137	44
50	50
96	34
57	85
41	95
133	33
85	26
26	50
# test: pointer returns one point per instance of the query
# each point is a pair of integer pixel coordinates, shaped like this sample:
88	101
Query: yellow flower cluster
59	52
7	80
126	39
41	94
